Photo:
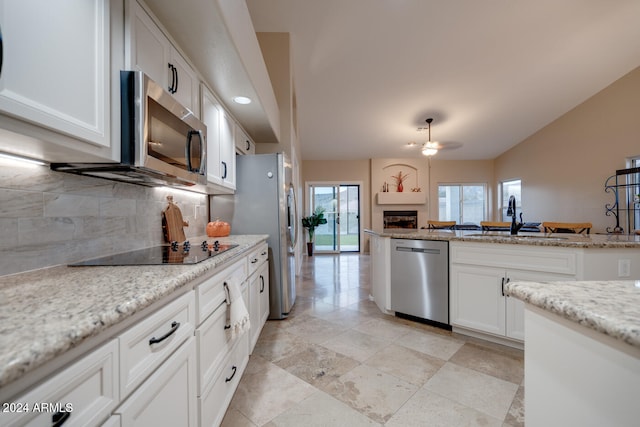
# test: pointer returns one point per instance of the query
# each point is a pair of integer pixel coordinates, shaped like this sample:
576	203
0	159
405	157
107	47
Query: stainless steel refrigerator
264	203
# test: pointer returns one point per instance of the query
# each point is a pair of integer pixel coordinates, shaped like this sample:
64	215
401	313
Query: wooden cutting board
172	223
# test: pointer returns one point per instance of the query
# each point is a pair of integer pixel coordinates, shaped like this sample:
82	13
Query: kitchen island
56	319
482	263
582	358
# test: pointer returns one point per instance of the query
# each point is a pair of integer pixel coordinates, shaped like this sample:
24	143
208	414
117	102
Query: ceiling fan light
429	151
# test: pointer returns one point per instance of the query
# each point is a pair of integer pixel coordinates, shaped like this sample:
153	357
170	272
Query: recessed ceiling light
242	100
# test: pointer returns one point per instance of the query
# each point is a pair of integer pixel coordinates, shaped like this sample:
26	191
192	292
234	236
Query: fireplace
406	220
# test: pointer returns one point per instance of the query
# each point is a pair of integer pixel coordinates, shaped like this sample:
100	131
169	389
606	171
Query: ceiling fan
431	148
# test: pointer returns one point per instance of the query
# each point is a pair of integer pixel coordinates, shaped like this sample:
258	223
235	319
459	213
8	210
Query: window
508	189
462	203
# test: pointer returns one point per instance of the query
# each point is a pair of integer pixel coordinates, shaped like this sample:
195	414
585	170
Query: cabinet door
215	400
380	283
254	309
185	86
149	48
263	275
56	66
168	397
152	52
258	302
243	144
227	151
211	117
476	298
213	343
515	307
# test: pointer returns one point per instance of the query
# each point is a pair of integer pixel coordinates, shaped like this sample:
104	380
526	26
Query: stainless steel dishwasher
420	279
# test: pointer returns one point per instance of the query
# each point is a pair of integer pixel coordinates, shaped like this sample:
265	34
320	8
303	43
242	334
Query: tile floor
338	361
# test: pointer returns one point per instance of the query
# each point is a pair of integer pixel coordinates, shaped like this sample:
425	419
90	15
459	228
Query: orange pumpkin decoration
218	228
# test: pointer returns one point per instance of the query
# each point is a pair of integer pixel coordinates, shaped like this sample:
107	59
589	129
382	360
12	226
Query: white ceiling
368	73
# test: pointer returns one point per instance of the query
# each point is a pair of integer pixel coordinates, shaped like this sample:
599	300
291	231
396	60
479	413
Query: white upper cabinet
149	50
227	150
221	161
211	117
57	74
244	144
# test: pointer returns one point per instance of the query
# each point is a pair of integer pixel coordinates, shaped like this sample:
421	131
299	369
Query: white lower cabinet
214	401
380	271
258	302
168	397
82	395
478	274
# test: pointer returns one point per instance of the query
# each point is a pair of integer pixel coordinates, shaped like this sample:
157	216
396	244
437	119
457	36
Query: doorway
341	204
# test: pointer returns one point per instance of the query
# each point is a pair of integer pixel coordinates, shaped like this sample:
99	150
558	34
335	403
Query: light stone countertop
598	241
608	307
44	313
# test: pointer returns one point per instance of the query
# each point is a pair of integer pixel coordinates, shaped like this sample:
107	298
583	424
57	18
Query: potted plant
310	223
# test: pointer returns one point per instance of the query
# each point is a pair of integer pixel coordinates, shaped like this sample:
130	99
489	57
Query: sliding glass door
341	204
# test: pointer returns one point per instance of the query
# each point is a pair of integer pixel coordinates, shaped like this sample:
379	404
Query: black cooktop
161	255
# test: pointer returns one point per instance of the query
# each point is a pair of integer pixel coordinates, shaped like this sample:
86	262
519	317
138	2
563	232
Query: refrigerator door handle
294	223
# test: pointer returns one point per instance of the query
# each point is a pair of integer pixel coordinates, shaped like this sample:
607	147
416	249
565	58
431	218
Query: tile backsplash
49	218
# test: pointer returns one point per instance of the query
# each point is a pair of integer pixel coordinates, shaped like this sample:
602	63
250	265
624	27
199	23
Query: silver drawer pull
254	261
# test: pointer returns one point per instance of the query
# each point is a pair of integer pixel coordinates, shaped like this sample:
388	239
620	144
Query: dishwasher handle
420	250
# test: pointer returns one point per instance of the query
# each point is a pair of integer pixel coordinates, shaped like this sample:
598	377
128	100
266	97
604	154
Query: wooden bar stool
567	227
439	225
495	225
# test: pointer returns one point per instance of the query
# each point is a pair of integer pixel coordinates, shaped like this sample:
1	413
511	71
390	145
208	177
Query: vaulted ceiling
368	73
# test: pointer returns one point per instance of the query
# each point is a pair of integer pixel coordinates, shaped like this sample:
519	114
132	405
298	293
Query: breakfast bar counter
593	241
582	352
611	308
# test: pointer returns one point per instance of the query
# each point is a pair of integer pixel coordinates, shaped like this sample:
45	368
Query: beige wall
342	171
563	167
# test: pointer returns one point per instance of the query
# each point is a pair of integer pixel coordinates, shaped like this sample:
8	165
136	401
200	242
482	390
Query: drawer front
519	257
210	294
257	257
146	345
85	393
213	404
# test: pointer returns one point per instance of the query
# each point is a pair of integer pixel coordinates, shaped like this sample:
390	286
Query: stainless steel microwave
162	142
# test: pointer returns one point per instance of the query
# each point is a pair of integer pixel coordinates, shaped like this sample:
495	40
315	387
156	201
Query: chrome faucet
511	211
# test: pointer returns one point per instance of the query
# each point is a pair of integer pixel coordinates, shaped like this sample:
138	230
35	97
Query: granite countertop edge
593	241
46	312
608	307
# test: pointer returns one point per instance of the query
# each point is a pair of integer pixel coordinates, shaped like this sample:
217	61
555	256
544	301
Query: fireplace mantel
404	198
